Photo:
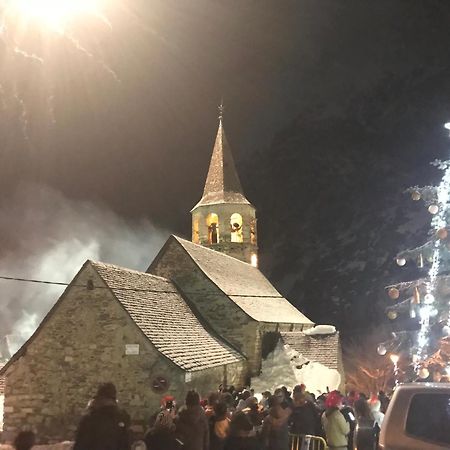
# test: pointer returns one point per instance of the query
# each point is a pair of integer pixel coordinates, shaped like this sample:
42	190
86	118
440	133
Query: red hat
167	398
334	398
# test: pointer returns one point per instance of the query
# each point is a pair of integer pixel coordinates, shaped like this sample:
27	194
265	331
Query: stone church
200	316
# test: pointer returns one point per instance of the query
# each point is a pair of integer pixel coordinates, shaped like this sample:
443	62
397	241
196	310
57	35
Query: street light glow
394	358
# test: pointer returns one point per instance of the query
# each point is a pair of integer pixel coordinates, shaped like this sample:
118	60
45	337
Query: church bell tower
224	220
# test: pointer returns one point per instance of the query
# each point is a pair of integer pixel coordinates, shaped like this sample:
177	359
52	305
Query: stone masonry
83	343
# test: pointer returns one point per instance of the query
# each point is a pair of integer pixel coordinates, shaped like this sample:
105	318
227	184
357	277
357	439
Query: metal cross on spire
221	110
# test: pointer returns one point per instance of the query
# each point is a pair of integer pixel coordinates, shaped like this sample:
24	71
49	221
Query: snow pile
276	370
287	367
320	330
317	378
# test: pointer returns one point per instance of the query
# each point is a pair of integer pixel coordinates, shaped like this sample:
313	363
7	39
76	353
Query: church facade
200	316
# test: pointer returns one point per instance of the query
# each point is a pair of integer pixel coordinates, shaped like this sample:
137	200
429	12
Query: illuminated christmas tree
424	303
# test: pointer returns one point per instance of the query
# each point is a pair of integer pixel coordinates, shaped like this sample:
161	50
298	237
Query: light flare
55	14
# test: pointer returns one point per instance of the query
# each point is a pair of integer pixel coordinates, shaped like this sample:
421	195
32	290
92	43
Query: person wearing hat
162	435
104	426
333	422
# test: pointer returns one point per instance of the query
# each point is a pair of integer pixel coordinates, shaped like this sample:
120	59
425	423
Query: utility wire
160	291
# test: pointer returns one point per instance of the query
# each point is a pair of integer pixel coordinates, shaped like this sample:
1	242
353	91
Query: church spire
224	220
222	182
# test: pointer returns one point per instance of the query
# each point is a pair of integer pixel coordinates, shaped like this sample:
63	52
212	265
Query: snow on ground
280	369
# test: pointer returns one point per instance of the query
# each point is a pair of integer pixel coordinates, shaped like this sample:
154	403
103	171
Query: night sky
127	130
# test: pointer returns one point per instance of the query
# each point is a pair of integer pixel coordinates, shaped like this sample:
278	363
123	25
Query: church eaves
222	183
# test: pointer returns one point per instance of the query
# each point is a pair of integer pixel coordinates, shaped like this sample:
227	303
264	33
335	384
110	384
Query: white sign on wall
187	377
132	349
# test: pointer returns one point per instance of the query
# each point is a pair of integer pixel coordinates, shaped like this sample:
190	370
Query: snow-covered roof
244	284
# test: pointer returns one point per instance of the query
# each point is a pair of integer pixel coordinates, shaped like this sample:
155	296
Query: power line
159	291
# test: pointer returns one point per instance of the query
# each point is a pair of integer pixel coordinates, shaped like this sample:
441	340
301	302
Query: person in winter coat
365	433
105	426
192	424
24	440
240	430
162	435
304	418
335	426
275	430
219	426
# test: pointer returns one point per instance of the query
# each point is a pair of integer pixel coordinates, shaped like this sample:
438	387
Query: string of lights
439	221
159	291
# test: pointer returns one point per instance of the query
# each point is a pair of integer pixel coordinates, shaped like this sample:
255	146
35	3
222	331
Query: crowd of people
234	419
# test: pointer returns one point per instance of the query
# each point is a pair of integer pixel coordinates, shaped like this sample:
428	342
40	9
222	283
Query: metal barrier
307	442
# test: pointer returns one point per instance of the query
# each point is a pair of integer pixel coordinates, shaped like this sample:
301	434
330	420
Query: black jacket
193	428
104	427
304	420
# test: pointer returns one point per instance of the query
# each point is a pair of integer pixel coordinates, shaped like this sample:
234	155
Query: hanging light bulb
381	350
401	261
394	293
429	298
433	209
415	195
442	233
423	373
392	314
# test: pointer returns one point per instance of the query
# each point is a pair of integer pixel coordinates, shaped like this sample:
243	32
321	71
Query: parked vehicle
418	418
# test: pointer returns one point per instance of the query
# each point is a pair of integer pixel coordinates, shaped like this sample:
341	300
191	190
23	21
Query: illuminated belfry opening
224	219
236	228
212	221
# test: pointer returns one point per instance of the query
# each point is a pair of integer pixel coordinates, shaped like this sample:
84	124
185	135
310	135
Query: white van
418	418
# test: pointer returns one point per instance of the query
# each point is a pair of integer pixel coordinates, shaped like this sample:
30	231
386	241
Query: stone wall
211	304
81	343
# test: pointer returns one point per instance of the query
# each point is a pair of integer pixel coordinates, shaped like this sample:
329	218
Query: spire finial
221	110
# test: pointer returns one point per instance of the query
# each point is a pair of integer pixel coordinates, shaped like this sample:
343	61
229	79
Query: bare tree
366	370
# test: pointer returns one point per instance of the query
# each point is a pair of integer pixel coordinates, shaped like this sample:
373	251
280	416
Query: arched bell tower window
195	232
253	231
213	228
236	228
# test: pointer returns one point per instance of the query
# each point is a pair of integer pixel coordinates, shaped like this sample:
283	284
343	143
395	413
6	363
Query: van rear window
429	417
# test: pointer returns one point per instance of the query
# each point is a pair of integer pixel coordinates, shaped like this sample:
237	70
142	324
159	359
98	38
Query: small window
213	228
236	228
429	417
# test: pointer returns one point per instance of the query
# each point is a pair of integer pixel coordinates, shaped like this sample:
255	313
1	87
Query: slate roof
166	319
322	348
244	284
222	183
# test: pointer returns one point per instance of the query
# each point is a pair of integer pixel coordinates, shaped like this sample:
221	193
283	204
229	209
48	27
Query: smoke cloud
45	236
